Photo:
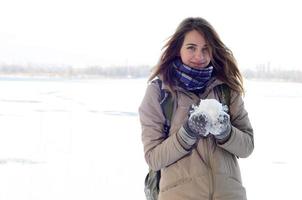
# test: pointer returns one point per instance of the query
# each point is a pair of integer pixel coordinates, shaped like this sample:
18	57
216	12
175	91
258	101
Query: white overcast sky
132	32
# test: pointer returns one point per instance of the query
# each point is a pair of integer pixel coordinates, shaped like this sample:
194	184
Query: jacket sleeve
241	141
159	152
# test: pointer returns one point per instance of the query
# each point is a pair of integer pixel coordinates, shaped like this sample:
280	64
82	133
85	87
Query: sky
119	32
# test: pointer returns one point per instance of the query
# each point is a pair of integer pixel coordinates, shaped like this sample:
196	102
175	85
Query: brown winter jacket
210	170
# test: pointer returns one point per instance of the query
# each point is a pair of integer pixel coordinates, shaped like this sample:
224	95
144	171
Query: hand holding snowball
221	128
198	123
210	117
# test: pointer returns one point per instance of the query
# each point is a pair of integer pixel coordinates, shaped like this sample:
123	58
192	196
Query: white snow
210	107
81	139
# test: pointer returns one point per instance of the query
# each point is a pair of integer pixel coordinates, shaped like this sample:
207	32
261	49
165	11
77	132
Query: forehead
194	37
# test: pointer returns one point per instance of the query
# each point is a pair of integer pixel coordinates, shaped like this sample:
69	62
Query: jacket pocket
176	184
226	163
232	167
169	176
228	188
173	176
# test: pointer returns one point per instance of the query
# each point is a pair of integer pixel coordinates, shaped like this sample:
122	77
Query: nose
199	56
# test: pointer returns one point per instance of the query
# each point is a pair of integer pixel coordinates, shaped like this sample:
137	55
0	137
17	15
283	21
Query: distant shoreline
127	72
19	77
91	78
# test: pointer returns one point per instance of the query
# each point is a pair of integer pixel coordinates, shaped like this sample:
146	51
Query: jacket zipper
210	172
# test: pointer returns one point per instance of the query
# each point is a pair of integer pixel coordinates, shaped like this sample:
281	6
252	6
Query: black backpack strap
224	94
166	102
153	177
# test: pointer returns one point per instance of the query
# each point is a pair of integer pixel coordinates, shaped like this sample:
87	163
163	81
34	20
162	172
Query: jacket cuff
223	137
186	140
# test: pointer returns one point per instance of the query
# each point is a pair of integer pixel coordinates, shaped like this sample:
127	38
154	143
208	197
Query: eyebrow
192	44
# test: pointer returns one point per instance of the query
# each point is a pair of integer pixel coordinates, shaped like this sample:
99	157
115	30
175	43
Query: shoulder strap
166	102
224	94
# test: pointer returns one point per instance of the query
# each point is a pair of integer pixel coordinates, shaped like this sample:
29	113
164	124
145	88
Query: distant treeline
274	74
69	71
133	72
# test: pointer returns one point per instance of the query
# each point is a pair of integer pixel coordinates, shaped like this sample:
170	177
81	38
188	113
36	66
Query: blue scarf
190	78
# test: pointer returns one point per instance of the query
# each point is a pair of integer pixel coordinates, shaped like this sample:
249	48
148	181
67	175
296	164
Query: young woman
196	165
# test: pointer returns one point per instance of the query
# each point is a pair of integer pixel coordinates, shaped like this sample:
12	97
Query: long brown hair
222	59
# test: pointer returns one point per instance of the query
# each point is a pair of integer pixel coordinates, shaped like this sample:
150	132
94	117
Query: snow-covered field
80	139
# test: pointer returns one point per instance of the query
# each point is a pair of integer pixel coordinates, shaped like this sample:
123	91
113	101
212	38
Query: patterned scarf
192	79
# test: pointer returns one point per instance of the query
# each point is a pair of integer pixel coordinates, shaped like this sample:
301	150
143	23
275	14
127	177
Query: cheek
209	57
185	60
185	56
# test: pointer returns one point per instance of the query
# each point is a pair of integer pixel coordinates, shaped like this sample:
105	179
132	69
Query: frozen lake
81	139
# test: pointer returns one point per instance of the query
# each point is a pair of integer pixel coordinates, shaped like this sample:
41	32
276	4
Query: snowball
211	107
213	110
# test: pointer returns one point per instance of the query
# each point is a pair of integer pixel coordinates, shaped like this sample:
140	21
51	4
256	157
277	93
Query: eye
192	48
205	49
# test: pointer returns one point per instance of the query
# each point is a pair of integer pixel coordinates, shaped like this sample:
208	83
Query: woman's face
194	51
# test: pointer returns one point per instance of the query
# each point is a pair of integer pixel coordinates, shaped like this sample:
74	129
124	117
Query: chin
199	67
